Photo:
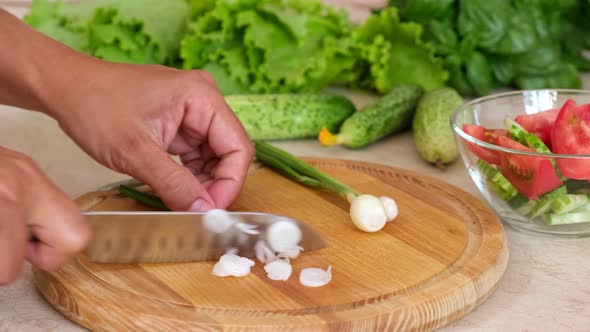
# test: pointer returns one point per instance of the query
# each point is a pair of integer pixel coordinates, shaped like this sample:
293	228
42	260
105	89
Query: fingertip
201	205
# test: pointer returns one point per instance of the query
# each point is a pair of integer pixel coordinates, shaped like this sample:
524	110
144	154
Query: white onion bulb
367	213
390	206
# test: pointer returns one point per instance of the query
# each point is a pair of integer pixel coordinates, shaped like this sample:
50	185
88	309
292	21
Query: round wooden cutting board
442	256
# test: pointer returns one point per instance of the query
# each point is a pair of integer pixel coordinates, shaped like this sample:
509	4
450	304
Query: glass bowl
525	188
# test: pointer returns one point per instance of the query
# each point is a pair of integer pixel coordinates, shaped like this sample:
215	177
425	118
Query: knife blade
167	237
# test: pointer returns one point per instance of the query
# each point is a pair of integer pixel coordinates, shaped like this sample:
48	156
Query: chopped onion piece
218	221
263	253
278	270
367	213
390	206
219	271
315	277
283	235
232	265
247	228
291	253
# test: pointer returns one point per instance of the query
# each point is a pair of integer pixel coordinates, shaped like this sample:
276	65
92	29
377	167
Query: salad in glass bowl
528	152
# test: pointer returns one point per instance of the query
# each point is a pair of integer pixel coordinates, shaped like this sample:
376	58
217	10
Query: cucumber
519	201
567	203
526	208
390	114
498	179
545	202
433	135
289	115
516	131
503	194
568	218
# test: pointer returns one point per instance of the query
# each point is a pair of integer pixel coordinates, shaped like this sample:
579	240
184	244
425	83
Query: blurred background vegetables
491	44
295	46
274	59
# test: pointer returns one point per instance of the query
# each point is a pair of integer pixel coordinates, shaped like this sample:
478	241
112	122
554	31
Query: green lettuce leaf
394	53
138	31
135	31
64	23
271	45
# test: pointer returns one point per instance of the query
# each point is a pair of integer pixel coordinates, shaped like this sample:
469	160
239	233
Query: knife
166	237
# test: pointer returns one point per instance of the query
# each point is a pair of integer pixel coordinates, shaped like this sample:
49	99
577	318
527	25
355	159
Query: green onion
144	198
300	171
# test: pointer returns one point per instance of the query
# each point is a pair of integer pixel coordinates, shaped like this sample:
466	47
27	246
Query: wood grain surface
443	256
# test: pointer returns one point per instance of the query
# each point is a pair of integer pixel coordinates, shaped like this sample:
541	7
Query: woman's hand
131	117
30	205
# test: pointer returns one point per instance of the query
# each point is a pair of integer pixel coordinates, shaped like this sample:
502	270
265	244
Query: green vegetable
138	31
503	194
393	53
289	116
485	44
432	132
66	23
300	171
569	203
516	131
369	213
390	114
478	73
142	197
568	218
422	11
270	46
504	186
131	31
526	208
519	134
519	201
545	202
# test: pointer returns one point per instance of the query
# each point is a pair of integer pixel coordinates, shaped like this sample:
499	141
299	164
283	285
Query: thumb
171	181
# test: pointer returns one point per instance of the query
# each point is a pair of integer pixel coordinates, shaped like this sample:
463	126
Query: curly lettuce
270	45
132	31
394	53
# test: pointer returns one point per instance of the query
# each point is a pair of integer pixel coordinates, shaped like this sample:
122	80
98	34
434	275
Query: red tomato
583	112
571	135
539	124
532	176
489	136
500	132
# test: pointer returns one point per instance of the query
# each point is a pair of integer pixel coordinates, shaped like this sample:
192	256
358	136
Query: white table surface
546	286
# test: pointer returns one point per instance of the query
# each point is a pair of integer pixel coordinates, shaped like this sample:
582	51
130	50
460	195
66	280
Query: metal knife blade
165	237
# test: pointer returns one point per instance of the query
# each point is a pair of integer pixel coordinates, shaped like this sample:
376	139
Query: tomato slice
571	135
539	124
583	112
486	135
532	176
